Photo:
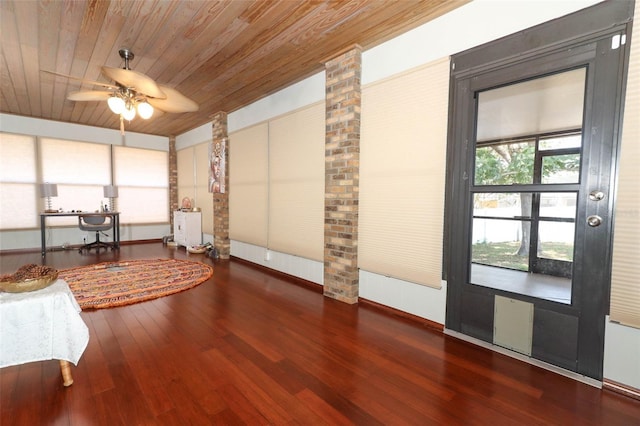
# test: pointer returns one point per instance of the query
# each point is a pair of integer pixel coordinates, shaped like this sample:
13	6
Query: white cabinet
187	228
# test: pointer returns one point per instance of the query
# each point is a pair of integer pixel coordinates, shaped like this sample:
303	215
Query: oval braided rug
110	284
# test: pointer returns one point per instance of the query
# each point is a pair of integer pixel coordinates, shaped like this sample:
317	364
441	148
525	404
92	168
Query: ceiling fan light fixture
145	110
129	112
116	104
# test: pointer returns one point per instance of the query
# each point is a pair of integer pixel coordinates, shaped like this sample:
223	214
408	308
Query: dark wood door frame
582	38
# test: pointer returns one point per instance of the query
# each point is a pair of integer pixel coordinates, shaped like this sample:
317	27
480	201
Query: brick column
342	165
221	240
173	179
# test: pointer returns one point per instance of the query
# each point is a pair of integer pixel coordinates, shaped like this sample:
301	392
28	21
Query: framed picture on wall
217	166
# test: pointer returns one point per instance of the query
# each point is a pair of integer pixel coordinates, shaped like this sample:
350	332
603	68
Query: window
18	190
532	228
143	184
80	170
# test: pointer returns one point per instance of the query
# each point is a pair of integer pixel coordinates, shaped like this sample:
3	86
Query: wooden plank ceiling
222	54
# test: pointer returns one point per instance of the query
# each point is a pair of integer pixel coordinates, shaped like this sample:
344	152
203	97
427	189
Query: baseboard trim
621	389
570	374
292	278
405	315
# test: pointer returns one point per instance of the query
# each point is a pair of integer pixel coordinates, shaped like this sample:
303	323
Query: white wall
56	237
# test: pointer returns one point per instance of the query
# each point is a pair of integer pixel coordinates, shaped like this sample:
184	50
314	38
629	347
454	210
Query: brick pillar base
342	164
221	241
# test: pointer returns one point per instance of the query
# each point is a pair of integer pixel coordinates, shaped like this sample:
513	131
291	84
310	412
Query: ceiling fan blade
135	80
89	95
175	101
95	83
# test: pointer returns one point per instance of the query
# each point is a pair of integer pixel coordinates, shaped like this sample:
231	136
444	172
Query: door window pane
560	142
561	168
505	164
558	204
527	134
500	242
555	240
506	205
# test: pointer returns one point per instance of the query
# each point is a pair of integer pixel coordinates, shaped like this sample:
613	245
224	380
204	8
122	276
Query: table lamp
111	192
48	190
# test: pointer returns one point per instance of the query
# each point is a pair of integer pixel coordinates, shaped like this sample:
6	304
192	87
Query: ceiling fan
133	92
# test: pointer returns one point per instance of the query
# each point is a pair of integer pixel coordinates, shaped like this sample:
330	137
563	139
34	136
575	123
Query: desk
42	325
114	215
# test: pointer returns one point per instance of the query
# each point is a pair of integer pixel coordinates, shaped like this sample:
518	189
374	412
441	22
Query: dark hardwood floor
250	347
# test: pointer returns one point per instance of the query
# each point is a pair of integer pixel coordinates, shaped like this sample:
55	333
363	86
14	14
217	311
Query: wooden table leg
65	368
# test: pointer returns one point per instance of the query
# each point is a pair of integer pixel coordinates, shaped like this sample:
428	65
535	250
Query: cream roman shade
186	174
80	169
296	183
402	174
193	181
19	196
248	194
625	275
143	184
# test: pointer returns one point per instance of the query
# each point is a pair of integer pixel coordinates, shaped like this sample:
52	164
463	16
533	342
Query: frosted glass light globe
116	104
145	110
129	113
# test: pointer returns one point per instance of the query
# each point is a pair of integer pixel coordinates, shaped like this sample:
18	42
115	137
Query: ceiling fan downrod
127	55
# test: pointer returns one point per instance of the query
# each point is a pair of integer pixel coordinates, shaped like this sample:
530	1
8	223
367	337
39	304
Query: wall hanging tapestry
110	284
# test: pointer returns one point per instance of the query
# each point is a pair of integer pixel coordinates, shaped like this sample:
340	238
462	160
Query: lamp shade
48	190
116	104
110	191
145	110
129	112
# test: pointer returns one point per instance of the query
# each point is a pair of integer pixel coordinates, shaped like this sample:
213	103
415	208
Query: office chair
97	223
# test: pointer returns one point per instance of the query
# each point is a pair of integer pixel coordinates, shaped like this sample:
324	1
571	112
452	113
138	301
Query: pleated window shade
186	174
19	194
296	183
80	169
248	193
193	181
402	174
625	276
143	184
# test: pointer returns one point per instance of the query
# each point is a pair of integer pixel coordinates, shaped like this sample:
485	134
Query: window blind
402	174
625	284
19	197
296	183
248	174
143	184
186	175
80	169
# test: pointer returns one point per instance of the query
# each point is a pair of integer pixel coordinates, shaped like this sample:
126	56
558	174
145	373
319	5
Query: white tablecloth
41	325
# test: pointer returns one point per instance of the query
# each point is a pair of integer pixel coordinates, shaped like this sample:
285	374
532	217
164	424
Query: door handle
594	220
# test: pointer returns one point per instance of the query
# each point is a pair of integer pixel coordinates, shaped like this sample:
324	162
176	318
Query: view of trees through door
525	184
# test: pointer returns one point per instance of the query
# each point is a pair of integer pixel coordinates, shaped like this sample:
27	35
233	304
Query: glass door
534	128
526	181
